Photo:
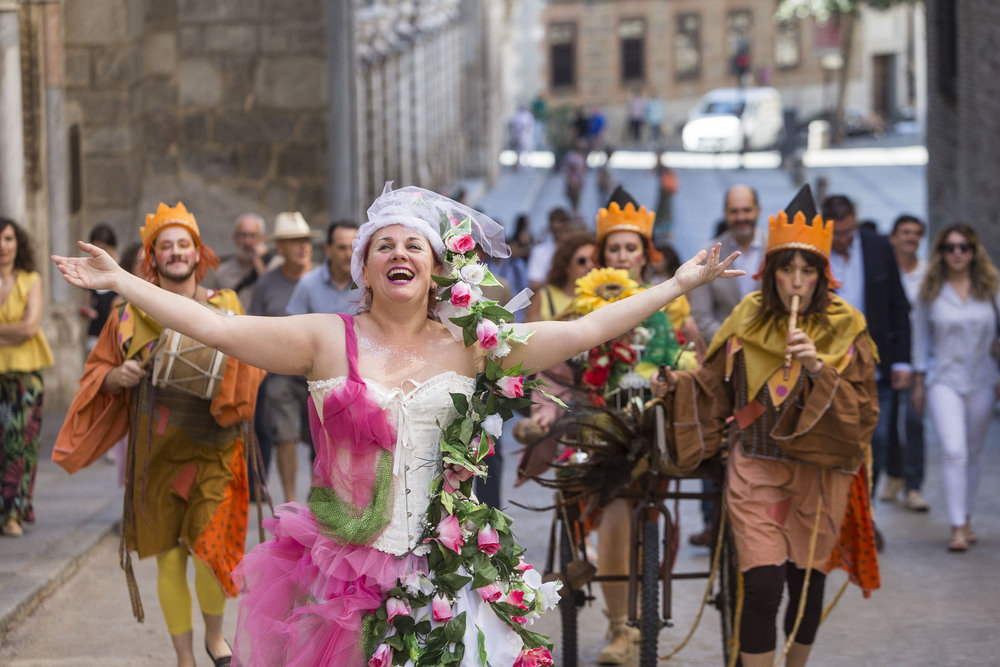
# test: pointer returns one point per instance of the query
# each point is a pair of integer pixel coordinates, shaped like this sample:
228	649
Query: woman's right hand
99	271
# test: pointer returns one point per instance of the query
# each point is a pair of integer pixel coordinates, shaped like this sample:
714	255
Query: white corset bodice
416	414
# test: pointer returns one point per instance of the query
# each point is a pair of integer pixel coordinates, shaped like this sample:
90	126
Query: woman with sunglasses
573	259
954	327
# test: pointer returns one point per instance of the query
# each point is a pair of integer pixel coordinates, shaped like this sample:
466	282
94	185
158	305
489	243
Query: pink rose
450	533
474	447
382	657
488	334
490	593
396	607
460	243
455	222
521	620
511	386
488	540
516	598
440	609
454	476
461	295
536	657
523	566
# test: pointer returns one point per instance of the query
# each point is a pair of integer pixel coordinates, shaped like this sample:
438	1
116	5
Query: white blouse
952	339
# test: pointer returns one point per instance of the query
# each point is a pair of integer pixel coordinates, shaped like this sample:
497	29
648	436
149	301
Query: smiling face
796	277
741	212
175	254
399	264
625	250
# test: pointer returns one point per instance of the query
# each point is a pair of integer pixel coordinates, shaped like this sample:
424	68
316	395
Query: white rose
501	350
473	273
493	425
532	578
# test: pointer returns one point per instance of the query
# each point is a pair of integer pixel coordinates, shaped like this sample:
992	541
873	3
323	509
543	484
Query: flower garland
471	544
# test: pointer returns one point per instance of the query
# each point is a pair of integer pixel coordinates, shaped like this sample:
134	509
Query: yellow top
678	310
34	353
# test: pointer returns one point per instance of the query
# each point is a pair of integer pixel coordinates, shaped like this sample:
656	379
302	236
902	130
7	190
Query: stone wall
963	131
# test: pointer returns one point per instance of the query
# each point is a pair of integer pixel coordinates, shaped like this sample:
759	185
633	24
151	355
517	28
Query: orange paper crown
167	216
614	218
815	237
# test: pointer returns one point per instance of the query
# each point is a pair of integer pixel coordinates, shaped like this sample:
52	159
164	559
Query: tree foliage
824	9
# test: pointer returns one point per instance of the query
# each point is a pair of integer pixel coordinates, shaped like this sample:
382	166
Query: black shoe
224	661
702	539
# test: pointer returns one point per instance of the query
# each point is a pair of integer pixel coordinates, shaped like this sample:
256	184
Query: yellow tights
175	596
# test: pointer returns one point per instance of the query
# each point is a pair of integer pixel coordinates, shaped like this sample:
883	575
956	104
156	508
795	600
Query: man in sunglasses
865	264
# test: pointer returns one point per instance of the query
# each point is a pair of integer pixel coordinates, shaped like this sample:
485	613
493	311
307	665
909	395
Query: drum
185	364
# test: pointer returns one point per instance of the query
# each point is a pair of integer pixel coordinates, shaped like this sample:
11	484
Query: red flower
597	376
623	353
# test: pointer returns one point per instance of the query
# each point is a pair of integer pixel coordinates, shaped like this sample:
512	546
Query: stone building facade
230	106
681	49
963	116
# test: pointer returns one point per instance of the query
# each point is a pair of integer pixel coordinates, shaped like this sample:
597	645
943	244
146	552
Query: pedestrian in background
955	329
285	408
521	242
905	457
654	113
98	303
253	258
865	265
540	259
573	259
24	352
636	109
574	169
666	179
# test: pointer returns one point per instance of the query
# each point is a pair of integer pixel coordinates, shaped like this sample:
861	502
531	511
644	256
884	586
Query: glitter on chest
392	356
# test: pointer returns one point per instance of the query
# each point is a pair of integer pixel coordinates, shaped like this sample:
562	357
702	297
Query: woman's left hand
706	267
803	350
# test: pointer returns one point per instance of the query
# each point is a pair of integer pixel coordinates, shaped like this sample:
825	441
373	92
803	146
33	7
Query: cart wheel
650	622
571	603
728	592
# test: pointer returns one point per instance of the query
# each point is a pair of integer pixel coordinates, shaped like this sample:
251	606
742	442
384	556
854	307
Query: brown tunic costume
800	441
188	476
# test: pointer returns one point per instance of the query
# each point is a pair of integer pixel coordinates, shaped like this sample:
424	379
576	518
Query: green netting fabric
346	522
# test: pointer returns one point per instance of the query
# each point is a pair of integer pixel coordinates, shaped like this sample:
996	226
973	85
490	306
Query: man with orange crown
186	491
794	368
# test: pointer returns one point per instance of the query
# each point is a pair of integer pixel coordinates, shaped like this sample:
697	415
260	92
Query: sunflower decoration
601	287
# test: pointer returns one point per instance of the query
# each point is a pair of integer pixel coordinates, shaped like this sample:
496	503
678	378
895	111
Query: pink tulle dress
332	561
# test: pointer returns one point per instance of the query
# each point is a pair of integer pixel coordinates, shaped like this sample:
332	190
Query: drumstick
792	322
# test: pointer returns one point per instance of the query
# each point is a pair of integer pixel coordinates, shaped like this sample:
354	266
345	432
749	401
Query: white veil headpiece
427	213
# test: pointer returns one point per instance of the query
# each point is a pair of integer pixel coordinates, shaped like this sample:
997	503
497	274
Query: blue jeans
906	459
880	438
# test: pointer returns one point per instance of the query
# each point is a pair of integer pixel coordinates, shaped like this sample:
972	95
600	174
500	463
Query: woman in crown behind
393	560
802	426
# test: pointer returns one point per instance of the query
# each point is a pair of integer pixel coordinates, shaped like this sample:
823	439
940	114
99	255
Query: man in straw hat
186	491
284	416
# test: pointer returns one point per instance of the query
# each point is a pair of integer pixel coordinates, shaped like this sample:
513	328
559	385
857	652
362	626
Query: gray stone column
13	199
343	165
57	167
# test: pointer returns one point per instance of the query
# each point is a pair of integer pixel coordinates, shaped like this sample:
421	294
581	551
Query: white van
735	119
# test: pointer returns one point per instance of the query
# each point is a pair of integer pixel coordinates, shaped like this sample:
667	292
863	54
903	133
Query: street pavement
63	600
